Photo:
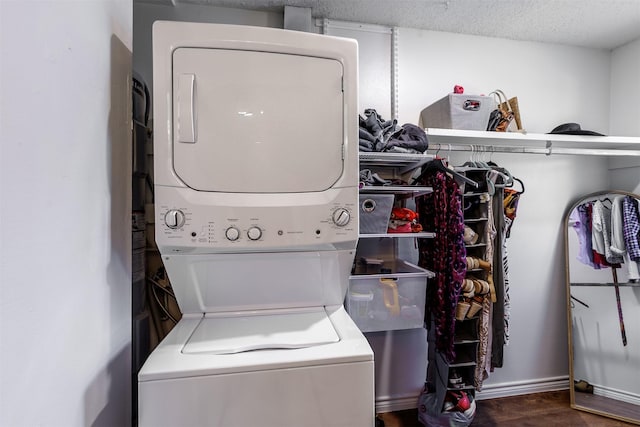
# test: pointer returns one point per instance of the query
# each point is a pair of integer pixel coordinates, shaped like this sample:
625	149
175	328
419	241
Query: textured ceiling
589	23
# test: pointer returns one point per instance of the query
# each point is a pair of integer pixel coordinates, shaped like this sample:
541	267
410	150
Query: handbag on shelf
506	116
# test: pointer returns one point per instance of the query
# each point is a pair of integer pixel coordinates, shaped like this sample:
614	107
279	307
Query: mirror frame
572	391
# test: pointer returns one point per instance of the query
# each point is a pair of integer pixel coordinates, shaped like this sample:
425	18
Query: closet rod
549	150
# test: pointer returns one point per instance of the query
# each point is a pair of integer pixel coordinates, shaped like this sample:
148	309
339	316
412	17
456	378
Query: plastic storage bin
388	301
375	211
458	111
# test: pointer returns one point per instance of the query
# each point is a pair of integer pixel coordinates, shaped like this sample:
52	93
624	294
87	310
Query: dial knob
341	217
232	233
254	233
174	218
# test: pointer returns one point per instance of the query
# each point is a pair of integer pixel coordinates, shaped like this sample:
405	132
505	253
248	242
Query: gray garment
618	246
601	232
377	134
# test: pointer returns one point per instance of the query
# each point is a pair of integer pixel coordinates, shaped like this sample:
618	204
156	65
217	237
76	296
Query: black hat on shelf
573	129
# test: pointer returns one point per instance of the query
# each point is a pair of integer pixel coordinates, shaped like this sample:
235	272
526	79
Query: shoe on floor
583	386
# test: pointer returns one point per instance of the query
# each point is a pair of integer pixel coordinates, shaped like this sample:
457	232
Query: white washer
255	157
190	381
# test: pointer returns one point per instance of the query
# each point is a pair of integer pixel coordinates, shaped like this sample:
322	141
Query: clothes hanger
480	163
507	180
474	159
577	300
504	173
603	201
521	184
438	165
470	163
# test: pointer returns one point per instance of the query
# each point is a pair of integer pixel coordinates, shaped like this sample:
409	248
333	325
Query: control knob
341	217
174	218
254	233
232	233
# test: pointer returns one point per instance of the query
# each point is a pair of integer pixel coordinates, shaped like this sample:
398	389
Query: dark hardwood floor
531	410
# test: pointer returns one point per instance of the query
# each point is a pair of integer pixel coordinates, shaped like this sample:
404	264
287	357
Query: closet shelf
534	143
626	284
421	235
406	161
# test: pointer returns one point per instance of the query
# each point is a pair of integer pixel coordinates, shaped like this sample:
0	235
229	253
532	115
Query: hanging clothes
510	201
601	236
631	227
580	220
498	319
444	255
598	258
618	243
511	197
505	268
609	234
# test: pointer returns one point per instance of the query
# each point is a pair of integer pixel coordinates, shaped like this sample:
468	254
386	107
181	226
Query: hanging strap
622	330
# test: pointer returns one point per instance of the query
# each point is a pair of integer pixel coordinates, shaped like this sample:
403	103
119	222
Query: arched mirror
603	297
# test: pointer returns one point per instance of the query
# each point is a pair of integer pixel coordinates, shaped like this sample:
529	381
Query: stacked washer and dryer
256	198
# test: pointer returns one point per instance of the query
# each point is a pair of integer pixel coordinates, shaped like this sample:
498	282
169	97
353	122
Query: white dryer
256	197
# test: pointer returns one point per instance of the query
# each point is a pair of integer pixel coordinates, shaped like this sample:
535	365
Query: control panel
189	227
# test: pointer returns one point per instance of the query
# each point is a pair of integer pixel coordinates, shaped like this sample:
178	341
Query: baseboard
489	391
516	388
621	395
390	404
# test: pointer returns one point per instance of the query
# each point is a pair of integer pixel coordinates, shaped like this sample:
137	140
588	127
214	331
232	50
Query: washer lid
229	333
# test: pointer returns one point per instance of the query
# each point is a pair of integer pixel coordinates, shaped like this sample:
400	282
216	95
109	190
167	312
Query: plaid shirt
631	225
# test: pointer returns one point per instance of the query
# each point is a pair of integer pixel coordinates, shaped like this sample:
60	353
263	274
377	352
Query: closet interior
483	188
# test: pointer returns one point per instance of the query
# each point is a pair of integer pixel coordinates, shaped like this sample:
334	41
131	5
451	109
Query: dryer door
257	122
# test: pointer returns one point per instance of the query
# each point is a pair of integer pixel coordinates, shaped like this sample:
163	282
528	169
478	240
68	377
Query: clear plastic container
388	301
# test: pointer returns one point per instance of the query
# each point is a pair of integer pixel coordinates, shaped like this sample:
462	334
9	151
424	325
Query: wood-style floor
531	410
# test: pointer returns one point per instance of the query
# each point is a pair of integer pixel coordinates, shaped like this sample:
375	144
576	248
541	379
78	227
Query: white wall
625	112
65	269
600	356
624	175
554	83
625	89
375	63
